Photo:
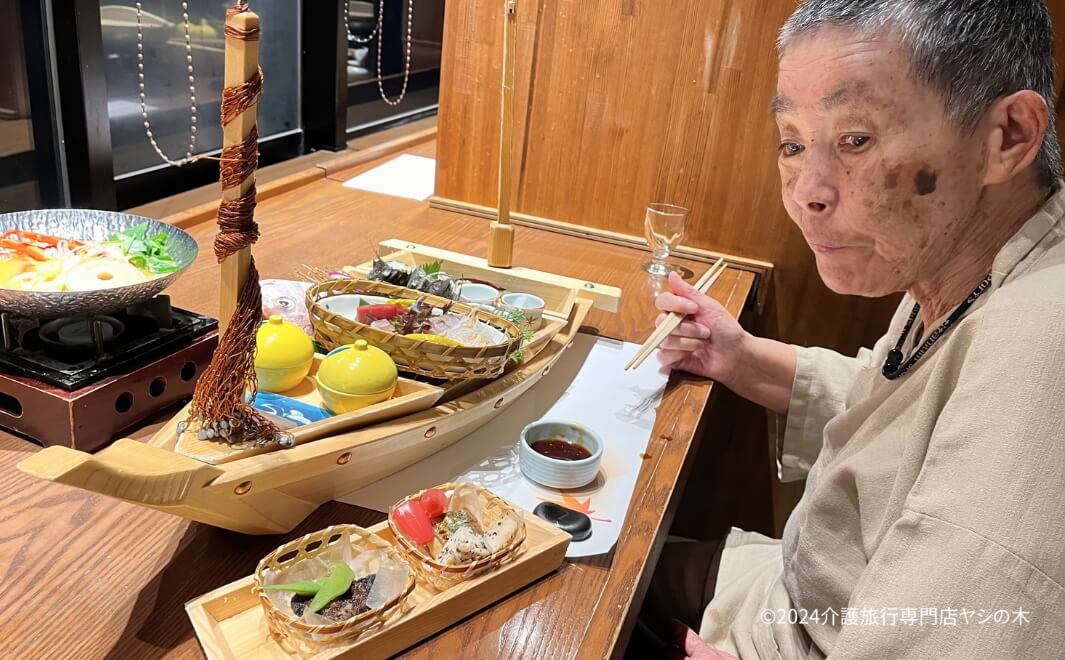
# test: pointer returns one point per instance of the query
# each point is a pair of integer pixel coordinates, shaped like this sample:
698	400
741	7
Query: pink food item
414	521
289	299
435	502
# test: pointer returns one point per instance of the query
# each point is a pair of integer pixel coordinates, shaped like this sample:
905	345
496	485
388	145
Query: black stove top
71	353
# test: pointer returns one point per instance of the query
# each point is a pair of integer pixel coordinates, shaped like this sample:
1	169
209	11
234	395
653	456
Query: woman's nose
815	188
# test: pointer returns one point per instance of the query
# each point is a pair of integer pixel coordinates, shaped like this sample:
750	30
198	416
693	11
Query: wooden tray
229	621
411	396
558	293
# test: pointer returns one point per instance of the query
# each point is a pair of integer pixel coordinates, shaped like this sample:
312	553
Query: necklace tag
894	359
894	367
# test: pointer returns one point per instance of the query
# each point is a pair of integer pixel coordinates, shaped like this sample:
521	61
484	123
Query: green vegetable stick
333	585
304	588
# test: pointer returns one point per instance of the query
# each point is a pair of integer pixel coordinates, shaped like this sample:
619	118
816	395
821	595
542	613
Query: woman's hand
692	646
709	342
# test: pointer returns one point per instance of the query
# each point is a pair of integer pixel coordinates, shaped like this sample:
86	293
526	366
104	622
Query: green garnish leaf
138	247
146	253
433	267
162	265
305	588
332	586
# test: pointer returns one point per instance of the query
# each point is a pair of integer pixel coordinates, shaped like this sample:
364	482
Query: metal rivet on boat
242	488
344	458
547	370
430	432
411	246
589	285
499	404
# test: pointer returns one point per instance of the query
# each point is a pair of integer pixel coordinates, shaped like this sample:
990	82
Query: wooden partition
625	102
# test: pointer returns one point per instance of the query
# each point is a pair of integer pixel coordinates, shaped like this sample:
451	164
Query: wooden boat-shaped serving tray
272	492
411	396
229	621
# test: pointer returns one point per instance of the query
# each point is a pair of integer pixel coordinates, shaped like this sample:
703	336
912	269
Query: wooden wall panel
623	102
631	101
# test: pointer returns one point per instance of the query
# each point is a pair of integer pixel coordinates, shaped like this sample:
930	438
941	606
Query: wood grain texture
113	577
626	105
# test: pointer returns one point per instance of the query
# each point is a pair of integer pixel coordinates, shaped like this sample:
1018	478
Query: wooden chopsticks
673	320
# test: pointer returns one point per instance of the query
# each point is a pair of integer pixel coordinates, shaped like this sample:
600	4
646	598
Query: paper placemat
587	385
413	177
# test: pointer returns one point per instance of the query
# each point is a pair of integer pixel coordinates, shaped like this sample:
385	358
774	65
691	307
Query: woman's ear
1018	123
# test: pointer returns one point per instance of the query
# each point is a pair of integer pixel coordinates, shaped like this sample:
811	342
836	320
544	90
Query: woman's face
878	179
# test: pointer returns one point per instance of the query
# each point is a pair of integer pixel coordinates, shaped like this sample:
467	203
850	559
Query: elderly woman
917	154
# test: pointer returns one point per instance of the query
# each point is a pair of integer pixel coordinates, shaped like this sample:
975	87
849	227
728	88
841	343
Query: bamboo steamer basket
441	576
301	638
416	356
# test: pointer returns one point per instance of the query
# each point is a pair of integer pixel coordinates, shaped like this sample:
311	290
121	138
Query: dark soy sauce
561	450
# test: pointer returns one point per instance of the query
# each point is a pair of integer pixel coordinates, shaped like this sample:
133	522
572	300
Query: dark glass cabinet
74	64
19	173
364	69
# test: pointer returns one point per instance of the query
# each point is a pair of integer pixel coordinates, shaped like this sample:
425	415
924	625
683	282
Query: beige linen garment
944	489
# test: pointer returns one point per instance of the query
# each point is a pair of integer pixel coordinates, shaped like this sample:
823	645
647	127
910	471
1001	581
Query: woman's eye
788	149
854	141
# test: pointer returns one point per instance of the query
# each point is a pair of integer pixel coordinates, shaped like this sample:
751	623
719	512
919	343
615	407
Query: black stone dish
575	523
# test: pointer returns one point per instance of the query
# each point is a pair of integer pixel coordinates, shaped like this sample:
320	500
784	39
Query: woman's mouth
827	248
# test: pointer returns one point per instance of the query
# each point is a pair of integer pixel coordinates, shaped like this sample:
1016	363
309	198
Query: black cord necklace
894	367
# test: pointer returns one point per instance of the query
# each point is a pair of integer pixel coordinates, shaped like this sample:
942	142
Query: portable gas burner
79	381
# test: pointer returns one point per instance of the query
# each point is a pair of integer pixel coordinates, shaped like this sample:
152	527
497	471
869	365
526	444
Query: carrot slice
31	251
44	239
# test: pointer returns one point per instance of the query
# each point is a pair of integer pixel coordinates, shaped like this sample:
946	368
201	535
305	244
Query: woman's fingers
693	330
684	290
686	328
693	646
668	358
670	302
684	344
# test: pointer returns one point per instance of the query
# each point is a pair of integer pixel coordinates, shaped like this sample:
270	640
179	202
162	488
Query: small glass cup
664	227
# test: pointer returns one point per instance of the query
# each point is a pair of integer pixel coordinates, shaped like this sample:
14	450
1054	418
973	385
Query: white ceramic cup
553	472
473	293
346	305
532	306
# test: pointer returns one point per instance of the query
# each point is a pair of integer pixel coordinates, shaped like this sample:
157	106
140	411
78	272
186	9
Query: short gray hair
973	52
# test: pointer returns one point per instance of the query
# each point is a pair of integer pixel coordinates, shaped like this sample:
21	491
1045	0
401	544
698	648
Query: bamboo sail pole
219	410
242	62
501	234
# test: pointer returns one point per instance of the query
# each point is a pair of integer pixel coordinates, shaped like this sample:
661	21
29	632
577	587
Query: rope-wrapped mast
218	406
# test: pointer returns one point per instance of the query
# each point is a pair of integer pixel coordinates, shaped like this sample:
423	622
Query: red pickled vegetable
31	251
414	521
44	239
370	313
435	502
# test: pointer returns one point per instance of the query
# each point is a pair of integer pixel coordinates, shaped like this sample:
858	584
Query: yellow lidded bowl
283	355
355	376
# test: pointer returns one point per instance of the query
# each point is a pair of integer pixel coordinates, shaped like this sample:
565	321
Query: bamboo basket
411	355
302	638
442	576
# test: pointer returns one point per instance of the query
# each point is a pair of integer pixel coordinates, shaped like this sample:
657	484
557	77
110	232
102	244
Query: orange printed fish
585	507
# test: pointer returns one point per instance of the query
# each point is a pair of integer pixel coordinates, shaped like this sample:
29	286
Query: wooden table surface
91	577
